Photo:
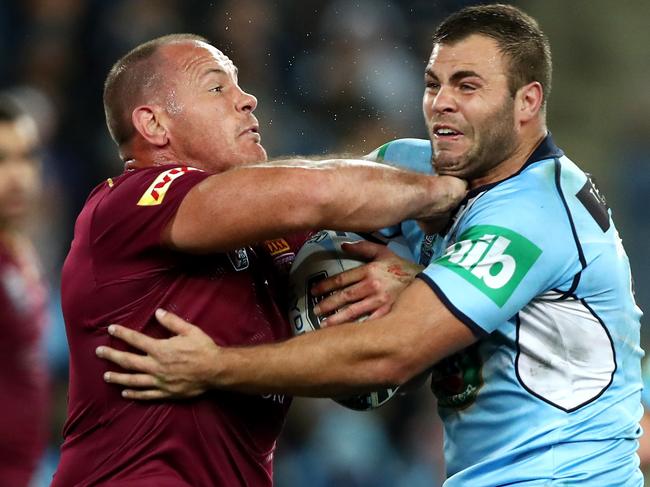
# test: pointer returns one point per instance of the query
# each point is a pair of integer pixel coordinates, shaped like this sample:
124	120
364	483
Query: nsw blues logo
456	380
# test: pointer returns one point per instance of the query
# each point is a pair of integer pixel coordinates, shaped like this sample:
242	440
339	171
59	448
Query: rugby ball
319	258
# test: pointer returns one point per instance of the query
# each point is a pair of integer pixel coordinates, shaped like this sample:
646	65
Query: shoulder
412	154
137	200
530	202
147	187
150	185
525	218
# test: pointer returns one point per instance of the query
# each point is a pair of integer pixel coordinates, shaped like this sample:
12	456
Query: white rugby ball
321	257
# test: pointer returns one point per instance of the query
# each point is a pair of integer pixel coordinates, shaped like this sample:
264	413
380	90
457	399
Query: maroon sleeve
128	222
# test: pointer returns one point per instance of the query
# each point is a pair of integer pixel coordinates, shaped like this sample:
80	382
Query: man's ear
148	121
529	100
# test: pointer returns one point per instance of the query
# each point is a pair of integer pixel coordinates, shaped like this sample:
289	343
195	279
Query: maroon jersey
117	271
23	377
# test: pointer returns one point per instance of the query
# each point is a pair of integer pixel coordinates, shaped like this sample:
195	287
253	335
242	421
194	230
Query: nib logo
493	259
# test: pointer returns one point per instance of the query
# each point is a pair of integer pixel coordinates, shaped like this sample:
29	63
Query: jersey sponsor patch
493	259
155	193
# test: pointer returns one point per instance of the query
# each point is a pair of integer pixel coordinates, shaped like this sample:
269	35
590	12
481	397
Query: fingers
127	360
363	249
146	395
173	323
381	311
339	281
339	299
133	338
352	312
132	380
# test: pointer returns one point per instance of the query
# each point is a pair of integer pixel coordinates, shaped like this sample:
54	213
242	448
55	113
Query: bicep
232	209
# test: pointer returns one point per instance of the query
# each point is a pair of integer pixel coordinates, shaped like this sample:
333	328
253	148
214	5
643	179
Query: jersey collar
545	150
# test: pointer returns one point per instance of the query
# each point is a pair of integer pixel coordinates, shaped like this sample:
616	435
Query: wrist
445	194
219	368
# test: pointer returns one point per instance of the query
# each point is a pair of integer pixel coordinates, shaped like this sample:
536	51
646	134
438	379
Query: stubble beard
494	141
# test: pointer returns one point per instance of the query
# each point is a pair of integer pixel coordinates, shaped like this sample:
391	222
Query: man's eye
467	87
217	89
434	85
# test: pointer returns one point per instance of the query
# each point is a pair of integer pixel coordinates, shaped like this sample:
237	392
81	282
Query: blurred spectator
23	303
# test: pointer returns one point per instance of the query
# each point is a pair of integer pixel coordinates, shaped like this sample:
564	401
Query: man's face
211	117
19	170
468	108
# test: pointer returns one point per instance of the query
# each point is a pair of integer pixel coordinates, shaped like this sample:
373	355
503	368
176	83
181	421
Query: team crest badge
239	259
457	379
276	246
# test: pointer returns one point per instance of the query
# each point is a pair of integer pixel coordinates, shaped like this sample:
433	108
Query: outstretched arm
340	360
257	202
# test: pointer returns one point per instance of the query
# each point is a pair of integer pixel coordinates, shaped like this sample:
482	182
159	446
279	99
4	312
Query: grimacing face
468	108
19	170
211	117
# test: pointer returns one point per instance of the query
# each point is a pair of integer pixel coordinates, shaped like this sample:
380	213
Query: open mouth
446	132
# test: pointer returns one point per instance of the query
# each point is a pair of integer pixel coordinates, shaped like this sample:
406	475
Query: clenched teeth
446	131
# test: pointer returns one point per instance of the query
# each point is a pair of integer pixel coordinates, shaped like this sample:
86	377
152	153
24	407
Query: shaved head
138	78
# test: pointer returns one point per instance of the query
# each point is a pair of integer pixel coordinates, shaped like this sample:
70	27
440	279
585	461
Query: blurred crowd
331	76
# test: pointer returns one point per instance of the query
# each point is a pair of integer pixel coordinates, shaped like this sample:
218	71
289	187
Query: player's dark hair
517	34
131	78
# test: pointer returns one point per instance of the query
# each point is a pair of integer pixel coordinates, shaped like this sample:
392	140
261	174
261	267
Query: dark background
330	76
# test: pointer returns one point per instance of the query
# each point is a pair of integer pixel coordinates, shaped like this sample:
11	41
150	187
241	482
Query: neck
513	163
139	153
141	159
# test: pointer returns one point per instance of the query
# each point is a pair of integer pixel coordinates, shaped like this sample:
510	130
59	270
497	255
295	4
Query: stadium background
330	76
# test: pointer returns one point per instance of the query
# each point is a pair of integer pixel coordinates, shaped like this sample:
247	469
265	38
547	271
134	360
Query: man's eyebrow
429	72
210	71
457	76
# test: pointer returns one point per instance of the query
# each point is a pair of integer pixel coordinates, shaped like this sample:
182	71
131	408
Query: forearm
335	361
350	358
360	195
254	203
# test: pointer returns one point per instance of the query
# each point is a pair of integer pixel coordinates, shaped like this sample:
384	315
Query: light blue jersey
550	394
415	155
645	395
